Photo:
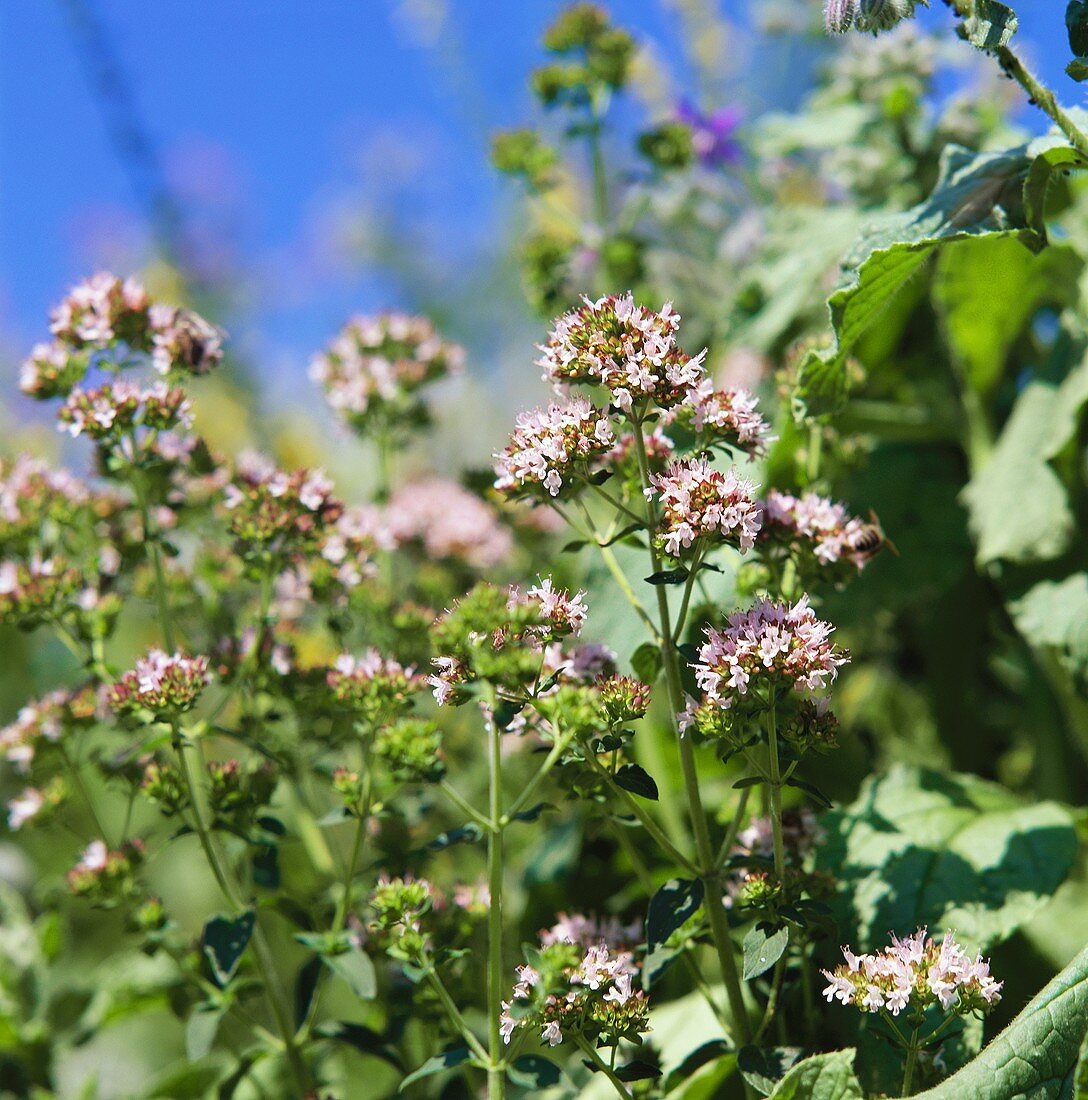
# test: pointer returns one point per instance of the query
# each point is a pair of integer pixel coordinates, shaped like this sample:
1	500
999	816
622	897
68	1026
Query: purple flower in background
713	135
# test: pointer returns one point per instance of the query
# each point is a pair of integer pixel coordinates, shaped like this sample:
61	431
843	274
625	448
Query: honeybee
198	342
871	539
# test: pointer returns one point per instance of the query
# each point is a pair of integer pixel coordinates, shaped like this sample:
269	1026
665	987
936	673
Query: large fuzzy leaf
976	195
1054	615
1036	1054
822	1077
920	847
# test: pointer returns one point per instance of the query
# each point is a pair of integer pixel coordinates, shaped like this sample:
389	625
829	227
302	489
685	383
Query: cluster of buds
818	532
401	907
162	784
35	590
278	513
596	710
47	720
448	522
698	501
236	793
161	684
501	636
914	973
552	446
348	549
373	687
627	348
104	876
373	371
412	750
34	804
117	409
769	646
596	57
748	882
103	313
33	495
577	986
729	417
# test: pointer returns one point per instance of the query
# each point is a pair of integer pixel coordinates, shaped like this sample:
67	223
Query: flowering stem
344	908
603	1067
600	176
775	785
496	1077
462	803
85	794
557	750
908	1070
681	619
734	828
151	540
712	884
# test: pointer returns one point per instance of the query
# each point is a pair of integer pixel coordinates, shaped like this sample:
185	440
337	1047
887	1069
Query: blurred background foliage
744	160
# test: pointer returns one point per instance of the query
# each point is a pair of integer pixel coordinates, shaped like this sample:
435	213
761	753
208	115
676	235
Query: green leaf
200	1030
357	970
364	1039
440	1063
638	1071
646	662
466	834
702	1055
990	24
976	194
1080	1075
532	1071
763	947
1044	169
1077	70
1076	26
672	905
987	290
763	1068
668	576
1036	1054
635	779
184	1082
822	1077
225	940
1054	615
1018	508
921	847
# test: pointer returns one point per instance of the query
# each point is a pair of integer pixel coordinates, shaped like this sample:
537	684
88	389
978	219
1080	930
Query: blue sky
310	122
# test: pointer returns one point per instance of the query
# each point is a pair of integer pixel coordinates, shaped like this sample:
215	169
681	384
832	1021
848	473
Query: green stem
775	785
344	907
712	883
455	1016
496	1076
603	1067
151	541
681	618
600	176
85	794
912	1058
462	803
734	828
527	792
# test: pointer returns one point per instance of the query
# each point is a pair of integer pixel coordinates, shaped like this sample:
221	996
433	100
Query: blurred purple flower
713	135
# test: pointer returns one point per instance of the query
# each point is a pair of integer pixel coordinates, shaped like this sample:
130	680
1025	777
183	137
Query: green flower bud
668	146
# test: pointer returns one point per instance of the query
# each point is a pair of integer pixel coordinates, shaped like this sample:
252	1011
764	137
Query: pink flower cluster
114	408
45	720
588	931
826	527
376	364
370	683
99	309
28	487
161	682
729	416
582	664
560	613
449	521
698	500
549	444
914	972
34	587
771	642
625	347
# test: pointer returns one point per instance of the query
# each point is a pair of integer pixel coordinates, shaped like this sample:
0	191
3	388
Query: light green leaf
1019	511
357	970
763	947
822	1077
440	1063
1054	614
200	1030
1035	1055
990	24
976	194
921	847
987	291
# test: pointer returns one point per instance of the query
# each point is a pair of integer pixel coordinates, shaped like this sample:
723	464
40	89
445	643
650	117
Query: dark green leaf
533	813
813	792
701	1056
573	546
635	779
1076	26
748	781
638	1071
672	905
764	1068
646	662
532	1071
763	947
440	1063
225	940
668	576
466	834
266	866
305	987
364	1039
